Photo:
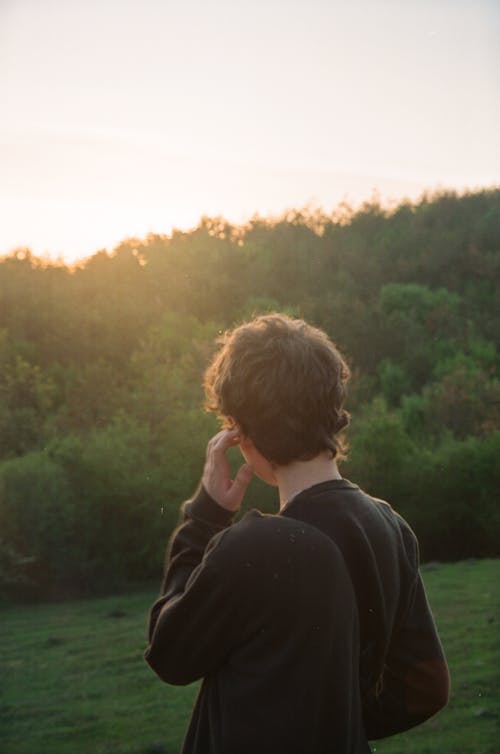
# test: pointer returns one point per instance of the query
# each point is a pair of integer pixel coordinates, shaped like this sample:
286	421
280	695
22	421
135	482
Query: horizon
342	212
132	118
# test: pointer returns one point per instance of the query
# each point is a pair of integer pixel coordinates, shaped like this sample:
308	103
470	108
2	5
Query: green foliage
129	481
26	399
13	567
418	303
166	370
38	521
465	401
394	381
453	499
102	430
381	451
256	305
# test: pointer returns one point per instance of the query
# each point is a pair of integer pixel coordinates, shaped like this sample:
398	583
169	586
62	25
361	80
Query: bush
452	498
381	452
39	524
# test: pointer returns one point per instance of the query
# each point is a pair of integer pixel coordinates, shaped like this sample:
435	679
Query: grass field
73	681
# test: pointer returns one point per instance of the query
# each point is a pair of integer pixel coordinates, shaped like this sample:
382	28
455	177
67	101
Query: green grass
465	598
73	681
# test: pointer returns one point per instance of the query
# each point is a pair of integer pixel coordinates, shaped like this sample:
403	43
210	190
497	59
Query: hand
216	474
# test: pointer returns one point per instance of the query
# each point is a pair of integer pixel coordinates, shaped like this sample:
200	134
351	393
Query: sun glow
121	119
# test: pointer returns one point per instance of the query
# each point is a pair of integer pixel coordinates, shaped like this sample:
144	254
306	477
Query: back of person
396	626
377	548
289	683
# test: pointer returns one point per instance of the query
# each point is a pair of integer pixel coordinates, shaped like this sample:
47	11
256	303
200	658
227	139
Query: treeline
102	431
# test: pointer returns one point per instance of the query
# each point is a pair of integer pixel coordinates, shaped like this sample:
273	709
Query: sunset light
123	118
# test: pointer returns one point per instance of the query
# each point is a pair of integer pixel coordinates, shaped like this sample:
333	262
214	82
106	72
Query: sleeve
191	624
415	681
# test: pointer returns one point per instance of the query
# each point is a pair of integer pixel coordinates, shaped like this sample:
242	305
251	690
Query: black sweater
310	628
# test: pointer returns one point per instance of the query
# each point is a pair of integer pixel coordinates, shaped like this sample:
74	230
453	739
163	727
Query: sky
123	117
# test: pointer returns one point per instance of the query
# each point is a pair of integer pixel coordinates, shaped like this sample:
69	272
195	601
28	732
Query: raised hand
216	479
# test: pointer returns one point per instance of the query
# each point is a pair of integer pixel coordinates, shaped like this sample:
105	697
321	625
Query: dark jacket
310	628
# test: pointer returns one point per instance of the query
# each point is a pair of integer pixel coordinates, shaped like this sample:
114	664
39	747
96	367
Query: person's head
283	382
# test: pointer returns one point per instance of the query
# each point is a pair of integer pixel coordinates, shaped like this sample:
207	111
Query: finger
243	476
240	484
213	440
225	440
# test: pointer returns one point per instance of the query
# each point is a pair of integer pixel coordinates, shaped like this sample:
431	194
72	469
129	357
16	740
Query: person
310	628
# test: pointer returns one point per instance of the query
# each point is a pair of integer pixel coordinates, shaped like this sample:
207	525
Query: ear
246	443
233	424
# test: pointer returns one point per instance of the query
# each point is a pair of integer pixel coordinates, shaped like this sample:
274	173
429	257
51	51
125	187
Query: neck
300	475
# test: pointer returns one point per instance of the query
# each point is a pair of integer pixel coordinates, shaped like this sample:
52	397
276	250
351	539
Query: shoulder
268	542
403	535
384	525
278	530
388	513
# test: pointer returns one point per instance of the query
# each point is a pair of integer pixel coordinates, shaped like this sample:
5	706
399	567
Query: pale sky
123	117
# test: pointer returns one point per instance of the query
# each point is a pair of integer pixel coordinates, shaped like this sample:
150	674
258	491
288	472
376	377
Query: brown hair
284	382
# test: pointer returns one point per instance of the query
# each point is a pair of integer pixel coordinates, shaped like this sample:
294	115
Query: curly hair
283	382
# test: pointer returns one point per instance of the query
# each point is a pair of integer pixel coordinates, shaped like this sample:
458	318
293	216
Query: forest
102	425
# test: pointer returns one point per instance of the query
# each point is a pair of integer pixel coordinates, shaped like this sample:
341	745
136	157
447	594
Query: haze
124	117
